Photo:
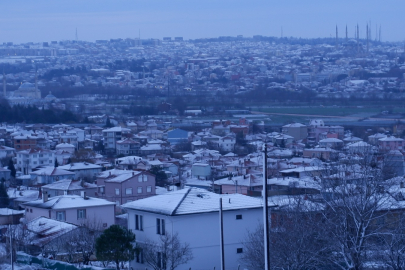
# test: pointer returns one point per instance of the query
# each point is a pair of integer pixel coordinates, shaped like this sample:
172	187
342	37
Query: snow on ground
18	266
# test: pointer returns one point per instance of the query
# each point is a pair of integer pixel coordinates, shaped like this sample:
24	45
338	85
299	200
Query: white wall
201	231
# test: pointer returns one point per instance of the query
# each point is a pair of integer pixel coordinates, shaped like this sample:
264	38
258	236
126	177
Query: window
238	216
161	260
81	213
149	189
140	178
50	161
139	256
60	215
139	222
145	177
128	191
160	226
102	189
239	250
117	191
139	189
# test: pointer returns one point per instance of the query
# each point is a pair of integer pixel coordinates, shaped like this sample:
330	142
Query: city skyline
45	21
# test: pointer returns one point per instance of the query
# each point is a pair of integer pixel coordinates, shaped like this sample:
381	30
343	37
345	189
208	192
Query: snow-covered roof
43	230
193	201
68	201
68	184
10	212
52	171
80	166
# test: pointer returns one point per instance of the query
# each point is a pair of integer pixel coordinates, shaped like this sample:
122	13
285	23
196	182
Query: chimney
402	185
83	194
133	173
45	196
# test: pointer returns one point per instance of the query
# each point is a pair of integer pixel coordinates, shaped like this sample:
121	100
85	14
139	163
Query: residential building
49	175
70	187
32	158
83	169
74	209
112	135
296	130
177	136
192	214
390	143
126	187
24	142
127	147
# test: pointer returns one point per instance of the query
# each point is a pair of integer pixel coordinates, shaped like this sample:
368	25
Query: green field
328	111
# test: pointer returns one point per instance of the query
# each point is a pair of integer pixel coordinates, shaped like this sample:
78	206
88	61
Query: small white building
193	214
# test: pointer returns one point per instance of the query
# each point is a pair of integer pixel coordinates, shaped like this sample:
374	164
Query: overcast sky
46	20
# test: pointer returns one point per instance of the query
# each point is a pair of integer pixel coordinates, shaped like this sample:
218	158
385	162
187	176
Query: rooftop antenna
76	35
379	35
281	31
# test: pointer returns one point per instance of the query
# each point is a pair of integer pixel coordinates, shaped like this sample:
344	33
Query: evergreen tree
69	161
12	168
4	200
108	123
116	245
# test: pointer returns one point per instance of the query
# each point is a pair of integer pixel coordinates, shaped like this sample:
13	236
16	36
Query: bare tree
353	209
167	253
253	249
296	238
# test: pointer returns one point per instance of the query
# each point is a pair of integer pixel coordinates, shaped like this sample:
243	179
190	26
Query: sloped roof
43	230
68	201
193	201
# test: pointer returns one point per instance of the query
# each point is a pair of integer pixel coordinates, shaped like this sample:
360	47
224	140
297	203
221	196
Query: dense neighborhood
152	141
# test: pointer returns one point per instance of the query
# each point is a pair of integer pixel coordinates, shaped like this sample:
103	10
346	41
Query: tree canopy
115	244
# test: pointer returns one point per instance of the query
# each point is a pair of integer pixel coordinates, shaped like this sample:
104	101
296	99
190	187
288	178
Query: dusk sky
44	20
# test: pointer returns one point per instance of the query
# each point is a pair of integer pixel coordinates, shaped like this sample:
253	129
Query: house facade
32	158
193	214
74	209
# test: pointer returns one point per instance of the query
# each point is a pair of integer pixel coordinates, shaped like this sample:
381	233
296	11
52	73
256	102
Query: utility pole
11	248
266	214
221	232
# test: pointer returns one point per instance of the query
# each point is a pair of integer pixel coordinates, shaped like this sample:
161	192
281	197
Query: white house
32	158
193	214
227	144
83	169
72	208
